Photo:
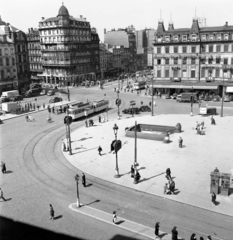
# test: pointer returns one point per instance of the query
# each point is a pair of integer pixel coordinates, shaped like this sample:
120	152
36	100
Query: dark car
5	99
207	98
55	99
135	110
16	98
216	98
145	109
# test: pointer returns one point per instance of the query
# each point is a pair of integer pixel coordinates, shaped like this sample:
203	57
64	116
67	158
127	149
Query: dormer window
194	37
175	38
226	37
219	37
184	38
167	39
203	37
211	37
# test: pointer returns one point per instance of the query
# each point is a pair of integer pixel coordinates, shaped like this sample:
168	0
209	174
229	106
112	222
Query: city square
115	134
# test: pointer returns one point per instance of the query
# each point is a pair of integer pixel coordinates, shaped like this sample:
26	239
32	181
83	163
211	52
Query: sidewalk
121	222
190	166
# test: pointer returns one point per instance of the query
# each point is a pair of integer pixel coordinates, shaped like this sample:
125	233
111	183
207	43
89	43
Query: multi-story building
34	55
19	39
95	52
198	58
126	39
8	70
67	46
106	61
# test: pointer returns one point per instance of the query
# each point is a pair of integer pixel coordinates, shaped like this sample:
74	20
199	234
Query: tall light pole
115	129
152	94
135	147
68	126
68	92
77	179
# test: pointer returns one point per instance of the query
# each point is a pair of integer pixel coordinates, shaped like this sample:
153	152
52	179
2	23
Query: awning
206	87
229	89
185	87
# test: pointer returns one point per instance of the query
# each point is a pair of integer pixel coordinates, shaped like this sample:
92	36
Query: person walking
213	198
51	211
180	142
157	230
84	180
99	118
132	171
53	108
213	121
3	167
114	219
1	195
209	238
165	189
100	150
174	234
193	237
64	147
168	172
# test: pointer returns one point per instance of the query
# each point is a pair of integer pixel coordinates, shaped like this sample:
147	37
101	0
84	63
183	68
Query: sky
109	14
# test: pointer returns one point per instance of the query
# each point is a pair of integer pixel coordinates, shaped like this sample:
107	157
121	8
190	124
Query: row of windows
35	59
65	31
195	49
194	61
7	73
6	51
66	61
35	66
64	39
55	23
7	62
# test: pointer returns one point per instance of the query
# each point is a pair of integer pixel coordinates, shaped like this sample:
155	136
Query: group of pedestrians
169	187
200	128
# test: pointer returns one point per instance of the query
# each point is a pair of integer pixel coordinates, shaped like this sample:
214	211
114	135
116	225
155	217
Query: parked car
92	83
129	110
83	84
174	95
50	93
167	96
6	99
231	97
145	109
43	92
55	99
216	98
16	98
207	98
226	98
178	98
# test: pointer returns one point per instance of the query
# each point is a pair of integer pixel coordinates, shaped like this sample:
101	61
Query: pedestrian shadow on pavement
89	185
96	201
146	179
162	235
85	150
77	148
216	203
9	171
7	199
57	217
83	139
119	222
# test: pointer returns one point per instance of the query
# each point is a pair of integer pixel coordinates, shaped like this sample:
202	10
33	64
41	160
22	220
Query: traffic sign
132	103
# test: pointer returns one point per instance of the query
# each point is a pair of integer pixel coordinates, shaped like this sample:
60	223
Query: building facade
194	56
8	70
19	40
67	46
34	55
106	61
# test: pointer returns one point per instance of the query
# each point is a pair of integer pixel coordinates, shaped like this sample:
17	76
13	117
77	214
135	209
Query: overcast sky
109	14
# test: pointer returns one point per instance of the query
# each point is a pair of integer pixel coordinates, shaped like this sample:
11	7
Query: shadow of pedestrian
83	139
121	175
7	199
57	217
162	235
216	203
9	171
85	150
146	179
119	222
89	185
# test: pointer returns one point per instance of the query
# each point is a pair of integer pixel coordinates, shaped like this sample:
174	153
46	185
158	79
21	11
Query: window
184	38
166	73
1	62
217	73
167	61
166	49
202	73
210	60
159	73
184	73
203	37
2	74
0	52
219	37
225	61
167	39
175	38
194	37
175	60
226	37
7	62
210	48
193	49
159	62
158	50
184	49
226	47
218	48
6	51
193	61
231	61
175	49
175	73
218	60
203	48
192	73
184	61
211	37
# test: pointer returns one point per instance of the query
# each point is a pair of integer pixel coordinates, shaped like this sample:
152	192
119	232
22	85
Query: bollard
178	127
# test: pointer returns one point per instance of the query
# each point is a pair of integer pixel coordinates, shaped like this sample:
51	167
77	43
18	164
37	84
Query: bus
139	85
78	110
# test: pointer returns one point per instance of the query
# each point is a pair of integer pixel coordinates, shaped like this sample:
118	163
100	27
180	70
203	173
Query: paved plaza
190	166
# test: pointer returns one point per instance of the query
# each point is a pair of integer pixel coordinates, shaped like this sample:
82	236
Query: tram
78	110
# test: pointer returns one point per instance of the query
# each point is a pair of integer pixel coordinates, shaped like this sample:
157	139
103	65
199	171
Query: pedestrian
84	180
168	172
53	109
180	142
51	212
1	195
150	104
174	234
64	147
30	104
38	107
138	176
99	118
193	237
57	110
100	150
201	238
165	188
213	121
3	167
34	106
86	123
157	230
26	117
213	198
141	102
44	105
172	187
132	171
103	118
209	238
114	219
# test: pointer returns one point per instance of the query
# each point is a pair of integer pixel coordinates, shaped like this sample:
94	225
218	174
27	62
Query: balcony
58	63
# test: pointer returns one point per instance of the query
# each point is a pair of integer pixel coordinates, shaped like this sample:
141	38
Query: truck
10	94
187	97
9	107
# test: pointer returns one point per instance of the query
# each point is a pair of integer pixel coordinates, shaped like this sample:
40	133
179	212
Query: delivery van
9	107
10	94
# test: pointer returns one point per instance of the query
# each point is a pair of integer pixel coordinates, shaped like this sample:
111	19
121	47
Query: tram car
78	110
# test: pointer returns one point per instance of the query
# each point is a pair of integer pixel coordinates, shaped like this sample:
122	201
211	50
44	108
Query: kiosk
214	182
225	183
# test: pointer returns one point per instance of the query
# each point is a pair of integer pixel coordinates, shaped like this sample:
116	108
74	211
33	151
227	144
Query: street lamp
68	126
68	92
77	179
152	94
118	105
135	149
192	100
115	129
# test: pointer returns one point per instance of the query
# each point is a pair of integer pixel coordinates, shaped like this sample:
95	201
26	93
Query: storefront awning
229	90
184	87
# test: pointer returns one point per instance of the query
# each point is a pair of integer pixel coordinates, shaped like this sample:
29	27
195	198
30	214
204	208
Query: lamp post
152	94
135	147
68	92
68	126
192	100
77	179
115	129
118	105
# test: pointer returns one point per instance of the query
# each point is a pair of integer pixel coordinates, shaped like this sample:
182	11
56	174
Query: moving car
50	93
55	99
145	109
135	110
32	92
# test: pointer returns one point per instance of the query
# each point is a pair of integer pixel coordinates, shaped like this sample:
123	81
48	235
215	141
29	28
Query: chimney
105	31
81	16
226	24
42	18
28	30
7	30
85	19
